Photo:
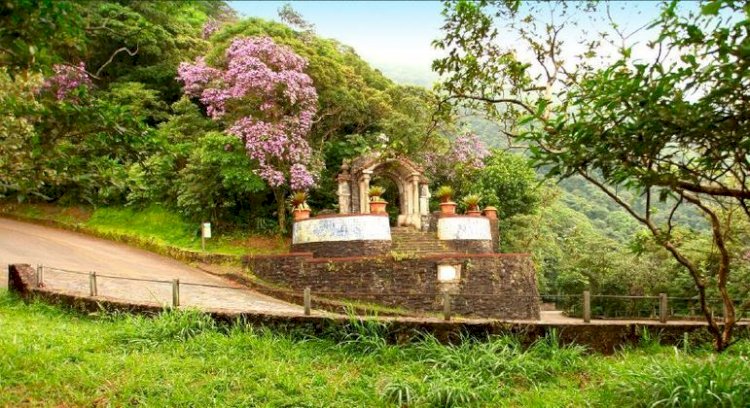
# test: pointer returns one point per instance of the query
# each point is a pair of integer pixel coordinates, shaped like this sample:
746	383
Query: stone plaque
464	228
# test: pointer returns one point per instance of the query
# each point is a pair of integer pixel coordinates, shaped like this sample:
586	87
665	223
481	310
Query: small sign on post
205	233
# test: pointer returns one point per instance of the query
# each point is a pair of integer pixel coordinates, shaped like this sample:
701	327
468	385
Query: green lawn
154	223
53	357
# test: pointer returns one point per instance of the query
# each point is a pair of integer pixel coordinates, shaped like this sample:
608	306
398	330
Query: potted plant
444	194
300	209
490	212
377	204
472	204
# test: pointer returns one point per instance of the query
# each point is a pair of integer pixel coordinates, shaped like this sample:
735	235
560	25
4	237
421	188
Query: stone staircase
408	240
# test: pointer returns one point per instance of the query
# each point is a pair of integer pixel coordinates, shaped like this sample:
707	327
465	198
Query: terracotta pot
377	207
448	208
474	212
490	212
301	214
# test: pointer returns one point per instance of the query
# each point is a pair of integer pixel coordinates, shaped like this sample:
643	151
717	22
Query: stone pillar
415	193
424	199
364	186
345	194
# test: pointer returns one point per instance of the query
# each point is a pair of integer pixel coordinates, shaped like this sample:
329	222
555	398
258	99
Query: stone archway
354	182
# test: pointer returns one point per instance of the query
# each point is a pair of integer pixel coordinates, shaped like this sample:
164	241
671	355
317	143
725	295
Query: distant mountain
408	74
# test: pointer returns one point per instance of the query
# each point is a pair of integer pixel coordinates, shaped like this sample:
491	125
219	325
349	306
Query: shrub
444	193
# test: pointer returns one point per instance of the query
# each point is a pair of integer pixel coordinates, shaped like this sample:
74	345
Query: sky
396	36
391	35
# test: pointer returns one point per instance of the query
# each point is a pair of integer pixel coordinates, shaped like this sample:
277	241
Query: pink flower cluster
66	79
468	150
271	101
211	26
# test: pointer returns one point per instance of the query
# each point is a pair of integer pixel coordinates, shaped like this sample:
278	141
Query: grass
153	223
54	357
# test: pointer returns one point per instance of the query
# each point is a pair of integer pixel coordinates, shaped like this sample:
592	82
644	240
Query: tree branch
112	57
511	101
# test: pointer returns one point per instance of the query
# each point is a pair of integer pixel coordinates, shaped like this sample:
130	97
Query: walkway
33	244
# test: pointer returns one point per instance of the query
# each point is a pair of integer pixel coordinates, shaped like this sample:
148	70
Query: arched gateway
413	191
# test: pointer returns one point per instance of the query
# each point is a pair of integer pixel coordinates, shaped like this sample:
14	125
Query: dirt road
64	250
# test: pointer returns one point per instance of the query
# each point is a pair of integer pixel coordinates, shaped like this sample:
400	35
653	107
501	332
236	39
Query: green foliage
216	178
471	200
508	183
722	382
375	191
168	326
444	193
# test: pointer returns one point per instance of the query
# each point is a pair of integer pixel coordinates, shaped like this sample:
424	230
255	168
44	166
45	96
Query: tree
508	183
671	128
261	92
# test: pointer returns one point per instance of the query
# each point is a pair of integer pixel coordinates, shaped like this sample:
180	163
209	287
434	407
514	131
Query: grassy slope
52	357
155	223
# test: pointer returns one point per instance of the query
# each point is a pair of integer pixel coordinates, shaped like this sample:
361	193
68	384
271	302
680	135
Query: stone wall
470	246
344	248
489	285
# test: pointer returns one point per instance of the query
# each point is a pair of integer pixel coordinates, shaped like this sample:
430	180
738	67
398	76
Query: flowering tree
461	162
66	79
261	91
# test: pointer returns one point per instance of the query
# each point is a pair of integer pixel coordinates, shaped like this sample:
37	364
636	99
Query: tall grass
54	357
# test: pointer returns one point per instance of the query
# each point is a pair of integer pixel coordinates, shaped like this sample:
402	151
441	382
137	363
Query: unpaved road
33	244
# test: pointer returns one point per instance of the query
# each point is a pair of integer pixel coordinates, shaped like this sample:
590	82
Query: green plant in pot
445	194
472	204
300	209
377	204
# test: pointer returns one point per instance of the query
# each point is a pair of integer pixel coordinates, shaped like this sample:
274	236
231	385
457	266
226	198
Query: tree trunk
280	208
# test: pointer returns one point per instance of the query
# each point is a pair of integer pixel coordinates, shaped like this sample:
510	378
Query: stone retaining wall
489	285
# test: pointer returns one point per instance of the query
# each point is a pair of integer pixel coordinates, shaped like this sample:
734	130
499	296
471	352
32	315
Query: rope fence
584	306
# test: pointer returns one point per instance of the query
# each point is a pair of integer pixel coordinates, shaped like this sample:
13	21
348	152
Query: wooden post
447	306
92	284
175	292
586	306
307	300
663	311
39	276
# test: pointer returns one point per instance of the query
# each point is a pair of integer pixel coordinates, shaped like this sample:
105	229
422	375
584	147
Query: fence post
447	306
39	276
307	301
92	284
175	292
586	306
663	312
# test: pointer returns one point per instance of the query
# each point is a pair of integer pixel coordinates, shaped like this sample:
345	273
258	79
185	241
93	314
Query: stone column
424	199
345	194
364	186
415	193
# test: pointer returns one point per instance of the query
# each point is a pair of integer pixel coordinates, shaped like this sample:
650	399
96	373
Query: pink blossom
211	26
469	150
66	79
270	102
